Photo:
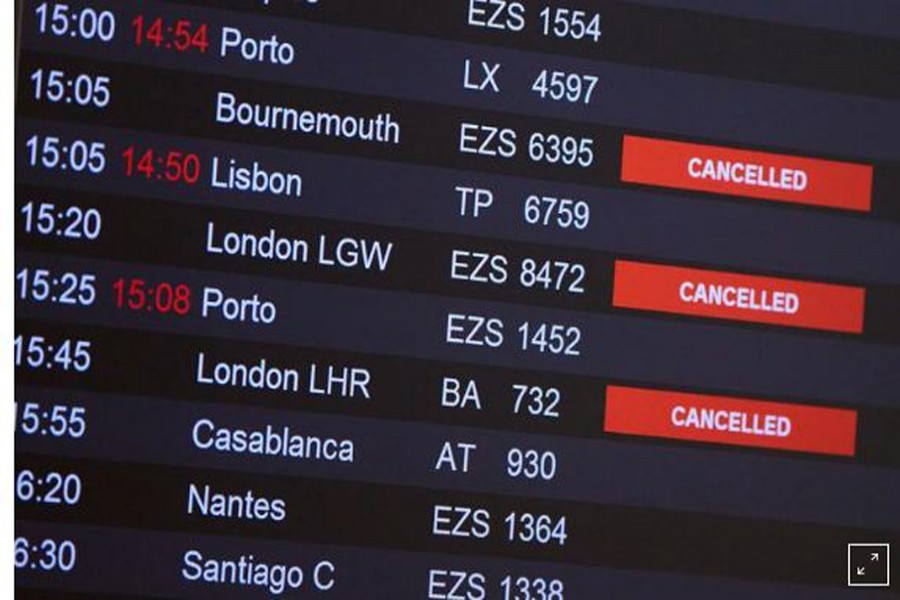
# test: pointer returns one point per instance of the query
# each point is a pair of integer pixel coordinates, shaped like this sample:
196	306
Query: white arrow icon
874	557
861	571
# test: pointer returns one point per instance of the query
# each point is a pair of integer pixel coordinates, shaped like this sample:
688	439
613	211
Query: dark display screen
457	299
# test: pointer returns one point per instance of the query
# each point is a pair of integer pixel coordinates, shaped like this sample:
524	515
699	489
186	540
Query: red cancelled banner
750	173
733	421
752	298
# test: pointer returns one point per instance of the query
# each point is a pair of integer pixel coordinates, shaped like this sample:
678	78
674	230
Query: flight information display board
456	300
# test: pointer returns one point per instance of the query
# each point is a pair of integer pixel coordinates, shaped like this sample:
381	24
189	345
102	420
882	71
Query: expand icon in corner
869	565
